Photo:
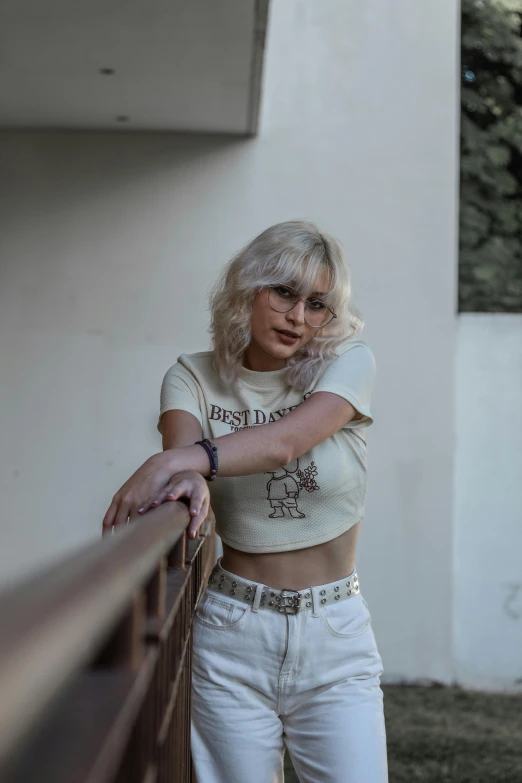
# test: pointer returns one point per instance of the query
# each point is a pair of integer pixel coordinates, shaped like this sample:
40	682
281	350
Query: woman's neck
258	360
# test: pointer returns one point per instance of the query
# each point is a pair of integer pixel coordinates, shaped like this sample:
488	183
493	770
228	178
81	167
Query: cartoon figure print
283	489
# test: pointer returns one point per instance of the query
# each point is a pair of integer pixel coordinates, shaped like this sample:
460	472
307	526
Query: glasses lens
282	298
317	313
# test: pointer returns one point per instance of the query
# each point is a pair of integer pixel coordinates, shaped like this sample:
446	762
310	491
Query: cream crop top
312	500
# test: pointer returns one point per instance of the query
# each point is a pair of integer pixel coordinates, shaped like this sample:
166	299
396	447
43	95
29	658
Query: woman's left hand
193	486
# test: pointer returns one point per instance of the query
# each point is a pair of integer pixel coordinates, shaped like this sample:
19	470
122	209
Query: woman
284	652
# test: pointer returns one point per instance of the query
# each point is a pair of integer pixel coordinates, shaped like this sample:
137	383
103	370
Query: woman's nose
296	314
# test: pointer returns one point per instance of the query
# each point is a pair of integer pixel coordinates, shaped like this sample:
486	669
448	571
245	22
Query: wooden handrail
57	623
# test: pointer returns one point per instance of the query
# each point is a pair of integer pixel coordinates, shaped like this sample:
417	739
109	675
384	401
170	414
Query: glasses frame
300	299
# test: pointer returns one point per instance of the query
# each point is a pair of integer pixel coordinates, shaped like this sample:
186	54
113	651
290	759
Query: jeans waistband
284	601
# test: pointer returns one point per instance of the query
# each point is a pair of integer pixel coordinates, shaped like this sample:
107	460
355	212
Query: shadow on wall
74	170
97	224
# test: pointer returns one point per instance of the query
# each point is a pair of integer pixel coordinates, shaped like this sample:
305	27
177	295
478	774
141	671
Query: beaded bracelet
212	454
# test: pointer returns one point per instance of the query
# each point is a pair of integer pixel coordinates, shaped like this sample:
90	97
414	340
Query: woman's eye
316	304
282	291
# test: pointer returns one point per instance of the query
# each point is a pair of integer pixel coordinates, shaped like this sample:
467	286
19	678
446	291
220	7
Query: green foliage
490	265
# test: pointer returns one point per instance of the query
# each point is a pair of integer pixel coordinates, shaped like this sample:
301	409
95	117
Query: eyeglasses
282	299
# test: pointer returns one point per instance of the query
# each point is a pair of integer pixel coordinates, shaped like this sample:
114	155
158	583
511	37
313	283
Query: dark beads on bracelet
212	454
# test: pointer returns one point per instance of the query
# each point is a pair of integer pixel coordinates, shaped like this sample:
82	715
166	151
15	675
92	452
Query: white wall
109	244
488	518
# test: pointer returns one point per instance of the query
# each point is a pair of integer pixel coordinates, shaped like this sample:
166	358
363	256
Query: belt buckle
290	601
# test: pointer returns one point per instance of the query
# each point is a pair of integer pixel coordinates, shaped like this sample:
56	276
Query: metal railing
95	659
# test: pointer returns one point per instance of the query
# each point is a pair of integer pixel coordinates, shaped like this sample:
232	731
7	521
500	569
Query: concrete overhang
166	65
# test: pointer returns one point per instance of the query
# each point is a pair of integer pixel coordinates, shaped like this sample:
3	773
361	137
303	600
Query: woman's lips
286	337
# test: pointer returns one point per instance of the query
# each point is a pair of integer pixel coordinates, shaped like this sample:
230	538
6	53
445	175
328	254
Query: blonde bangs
294	253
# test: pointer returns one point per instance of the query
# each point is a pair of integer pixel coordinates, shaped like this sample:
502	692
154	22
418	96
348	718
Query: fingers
198	518
108	519
198	495
144	507
189	481
161	496
122	515
189	489
176	489
119	509
133	511
117	514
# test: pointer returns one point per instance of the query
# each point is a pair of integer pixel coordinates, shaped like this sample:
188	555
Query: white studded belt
283	601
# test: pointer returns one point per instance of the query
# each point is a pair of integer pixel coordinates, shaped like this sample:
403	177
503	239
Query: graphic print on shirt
283	489
248	418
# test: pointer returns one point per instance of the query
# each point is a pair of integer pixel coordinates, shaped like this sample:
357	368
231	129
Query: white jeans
310	681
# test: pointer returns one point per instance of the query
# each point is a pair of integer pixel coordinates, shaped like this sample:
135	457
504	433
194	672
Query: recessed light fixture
107	71
122	118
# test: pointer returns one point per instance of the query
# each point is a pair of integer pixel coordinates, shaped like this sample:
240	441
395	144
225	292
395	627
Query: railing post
157	591
177	555
127	645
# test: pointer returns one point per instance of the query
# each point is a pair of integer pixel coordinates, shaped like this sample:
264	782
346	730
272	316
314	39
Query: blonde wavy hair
291	253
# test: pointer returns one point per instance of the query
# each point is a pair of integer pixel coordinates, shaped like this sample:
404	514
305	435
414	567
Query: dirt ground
447	735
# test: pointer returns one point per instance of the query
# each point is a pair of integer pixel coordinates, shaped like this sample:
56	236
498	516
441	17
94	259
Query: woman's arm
178	429
258	449
270	446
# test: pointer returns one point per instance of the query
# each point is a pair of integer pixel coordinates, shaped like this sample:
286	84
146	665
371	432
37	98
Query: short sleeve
180	391
351	375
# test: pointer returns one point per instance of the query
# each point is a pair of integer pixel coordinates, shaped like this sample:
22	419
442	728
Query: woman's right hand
138	492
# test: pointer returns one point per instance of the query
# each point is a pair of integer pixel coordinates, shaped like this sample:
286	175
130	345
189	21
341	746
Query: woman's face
277	336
